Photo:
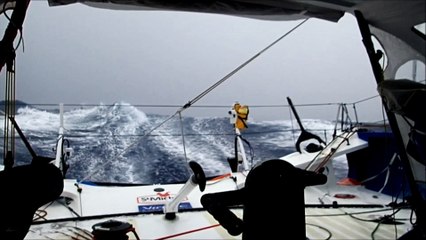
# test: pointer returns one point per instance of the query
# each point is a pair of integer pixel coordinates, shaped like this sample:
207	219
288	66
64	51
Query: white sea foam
108	139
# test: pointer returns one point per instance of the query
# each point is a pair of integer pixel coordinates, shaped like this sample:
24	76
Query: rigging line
365	99
117	155
344	138
322	228
9	133
188	232
351	214
194	100
183	138
382	171
334	150
76	136
241	66
197	106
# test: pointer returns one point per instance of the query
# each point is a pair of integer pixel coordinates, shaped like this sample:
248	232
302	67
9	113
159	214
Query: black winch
272	199
112	230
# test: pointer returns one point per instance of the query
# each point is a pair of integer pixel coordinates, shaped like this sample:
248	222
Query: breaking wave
120	143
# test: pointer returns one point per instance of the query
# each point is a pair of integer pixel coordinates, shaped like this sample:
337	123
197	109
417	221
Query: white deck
125	204
328	214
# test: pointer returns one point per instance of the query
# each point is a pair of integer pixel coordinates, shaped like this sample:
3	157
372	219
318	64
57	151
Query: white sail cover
393	16
406	100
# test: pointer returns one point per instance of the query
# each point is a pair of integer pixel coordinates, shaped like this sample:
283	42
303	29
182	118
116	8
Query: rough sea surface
121	144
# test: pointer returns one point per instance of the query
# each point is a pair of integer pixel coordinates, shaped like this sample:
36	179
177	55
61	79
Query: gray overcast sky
78	54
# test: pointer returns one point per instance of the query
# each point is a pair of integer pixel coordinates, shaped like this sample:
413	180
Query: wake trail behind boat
109	142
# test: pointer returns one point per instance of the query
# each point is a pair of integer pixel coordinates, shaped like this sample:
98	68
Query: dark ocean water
110	143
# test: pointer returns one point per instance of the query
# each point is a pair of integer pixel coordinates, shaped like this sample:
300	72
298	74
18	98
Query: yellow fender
242	115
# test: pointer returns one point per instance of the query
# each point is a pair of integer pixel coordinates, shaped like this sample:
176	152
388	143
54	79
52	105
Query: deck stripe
188	232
